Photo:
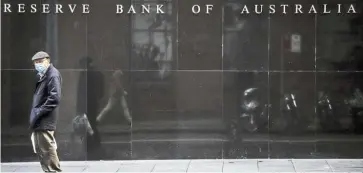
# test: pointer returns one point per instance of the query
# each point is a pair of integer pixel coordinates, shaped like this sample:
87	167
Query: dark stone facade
206	86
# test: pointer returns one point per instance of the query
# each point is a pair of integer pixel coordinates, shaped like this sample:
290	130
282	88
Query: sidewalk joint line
188	166
222	165
153	168
330	168
85	168
293	165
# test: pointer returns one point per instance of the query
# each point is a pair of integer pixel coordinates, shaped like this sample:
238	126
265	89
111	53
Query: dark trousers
46	149
93	142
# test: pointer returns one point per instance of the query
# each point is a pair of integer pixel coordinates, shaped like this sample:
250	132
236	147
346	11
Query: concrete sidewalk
247	165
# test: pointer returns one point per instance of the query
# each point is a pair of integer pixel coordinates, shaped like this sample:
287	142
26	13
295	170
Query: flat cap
40	55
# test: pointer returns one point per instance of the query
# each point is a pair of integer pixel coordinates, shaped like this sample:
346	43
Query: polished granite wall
206	86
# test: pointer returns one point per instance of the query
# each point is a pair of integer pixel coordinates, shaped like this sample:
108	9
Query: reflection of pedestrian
90	93
43	115
117	97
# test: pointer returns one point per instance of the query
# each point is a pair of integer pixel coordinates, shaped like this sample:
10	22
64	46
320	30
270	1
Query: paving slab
29	169
74	169
205	166
172	166
306	165
75	163
103	167
343	165
277	165
21	163
240	165
139	166
7	168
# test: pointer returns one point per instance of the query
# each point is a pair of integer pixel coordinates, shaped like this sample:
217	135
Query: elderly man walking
43	116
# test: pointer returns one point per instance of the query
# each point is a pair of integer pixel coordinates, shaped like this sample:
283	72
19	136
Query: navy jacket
47	95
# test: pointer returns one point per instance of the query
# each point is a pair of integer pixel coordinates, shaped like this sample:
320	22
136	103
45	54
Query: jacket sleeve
54	96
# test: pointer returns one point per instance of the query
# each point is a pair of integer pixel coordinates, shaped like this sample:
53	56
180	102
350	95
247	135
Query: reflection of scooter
356	106
325	112
290	116
254	111
252	118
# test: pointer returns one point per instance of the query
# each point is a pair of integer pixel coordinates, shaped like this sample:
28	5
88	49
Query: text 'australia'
298	9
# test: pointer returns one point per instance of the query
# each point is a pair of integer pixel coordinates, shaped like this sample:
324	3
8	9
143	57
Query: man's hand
35	114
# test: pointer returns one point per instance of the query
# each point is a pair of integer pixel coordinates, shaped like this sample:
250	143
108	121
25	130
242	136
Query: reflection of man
117	97
90	93
43	116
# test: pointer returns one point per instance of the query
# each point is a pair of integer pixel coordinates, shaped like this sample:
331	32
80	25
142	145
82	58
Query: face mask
40	68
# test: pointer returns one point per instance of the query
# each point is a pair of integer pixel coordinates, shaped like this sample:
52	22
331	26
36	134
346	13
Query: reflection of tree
161	20
164	55
357	51
154	52
244	39
98	45
233	25
353	60
233	21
